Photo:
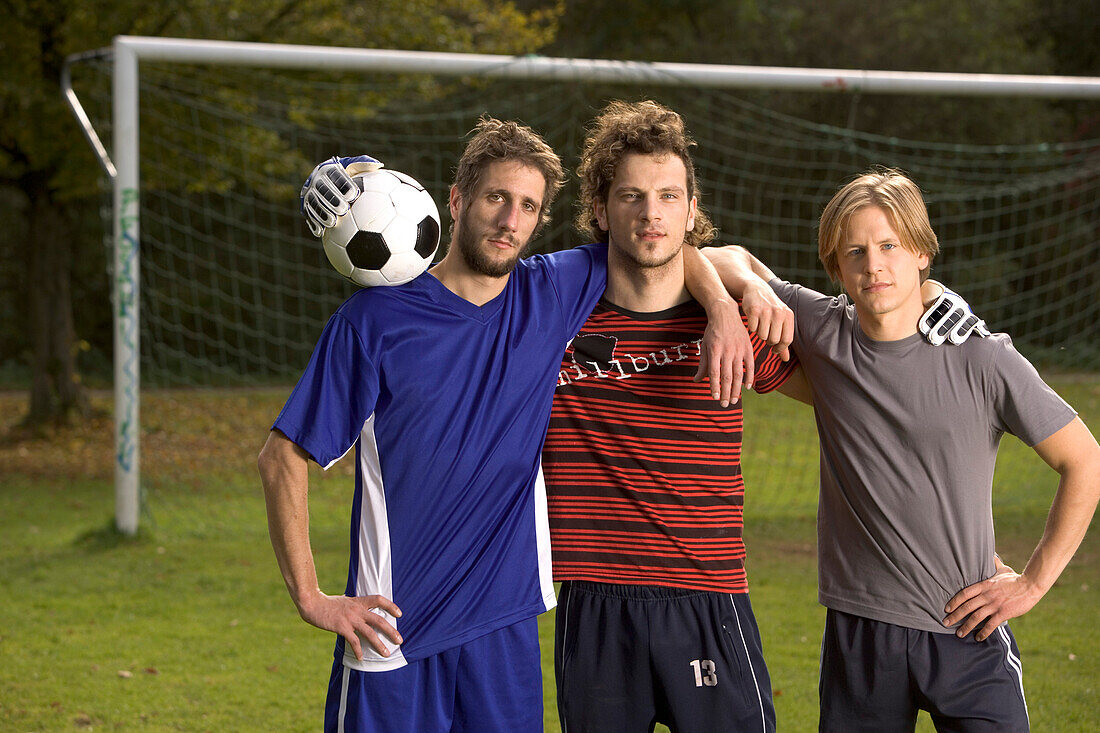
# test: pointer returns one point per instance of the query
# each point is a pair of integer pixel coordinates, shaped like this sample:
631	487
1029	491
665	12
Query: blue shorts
875	676
493	683
630	656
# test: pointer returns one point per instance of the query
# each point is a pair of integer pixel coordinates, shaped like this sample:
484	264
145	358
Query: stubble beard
478	260
648	261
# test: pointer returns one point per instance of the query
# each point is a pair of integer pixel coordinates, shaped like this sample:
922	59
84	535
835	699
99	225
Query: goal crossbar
628	72
127	51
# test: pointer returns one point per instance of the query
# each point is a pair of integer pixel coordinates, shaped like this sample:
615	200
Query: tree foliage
988	36
51	251
49	180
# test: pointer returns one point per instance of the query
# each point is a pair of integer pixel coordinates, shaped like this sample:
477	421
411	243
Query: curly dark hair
633	127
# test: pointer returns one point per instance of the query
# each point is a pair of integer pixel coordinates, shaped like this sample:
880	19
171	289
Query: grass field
188	626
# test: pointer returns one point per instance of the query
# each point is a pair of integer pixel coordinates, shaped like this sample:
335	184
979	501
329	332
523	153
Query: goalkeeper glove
950	319
329	190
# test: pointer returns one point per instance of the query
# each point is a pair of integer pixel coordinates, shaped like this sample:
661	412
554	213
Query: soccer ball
390	233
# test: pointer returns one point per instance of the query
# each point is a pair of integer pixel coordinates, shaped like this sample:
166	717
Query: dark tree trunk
56	391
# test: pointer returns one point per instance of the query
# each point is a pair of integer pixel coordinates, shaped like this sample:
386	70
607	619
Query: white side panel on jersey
375	559
542	539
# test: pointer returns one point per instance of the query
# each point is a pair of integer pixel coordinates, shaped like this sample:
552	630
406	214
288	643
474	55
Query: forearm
703	281
1067	523
1071	512
746	278
738	269
284	472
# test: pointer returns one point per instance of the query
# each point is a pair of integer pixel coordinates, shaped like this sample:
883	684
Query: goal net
235	291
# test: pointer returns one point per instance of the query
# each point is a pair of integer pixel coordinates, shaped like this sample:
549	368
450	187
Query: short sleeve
1024	405
809	307
579	277
334	397
771	371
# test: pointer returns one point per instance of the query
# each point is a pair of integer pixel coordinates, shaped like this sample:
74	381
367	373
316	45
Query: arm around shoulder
747	278
738	268
726	360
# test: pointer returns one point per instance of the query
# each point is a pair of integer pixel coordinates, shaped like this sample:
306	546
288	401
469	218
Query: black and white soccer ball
389	235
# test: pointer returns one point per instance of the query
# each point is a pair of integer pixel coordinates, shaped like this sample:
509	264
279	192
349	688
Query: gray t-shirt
909	434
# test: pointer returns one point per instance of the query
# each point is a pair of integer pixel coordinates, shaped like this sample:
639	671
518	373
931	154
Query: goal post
128	53
126	289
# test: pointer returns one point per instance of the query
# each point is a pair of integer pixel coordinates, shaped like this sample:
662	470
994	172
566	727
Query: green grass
188	626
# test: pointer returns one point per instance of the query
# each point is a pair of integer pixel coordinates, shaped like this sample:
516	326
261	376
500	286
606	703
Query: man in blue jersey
443	387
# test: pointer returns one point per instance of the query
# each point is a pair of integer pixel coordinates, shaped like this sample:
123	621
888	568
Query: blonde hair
638	127
893	192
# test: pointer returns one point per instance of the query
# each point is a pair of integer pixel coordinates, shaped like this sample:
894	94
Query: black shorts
875	676
628	657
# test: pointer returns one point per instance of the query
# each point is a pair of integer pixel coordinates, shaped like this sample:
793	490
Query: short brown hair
893	192
498	140
638	127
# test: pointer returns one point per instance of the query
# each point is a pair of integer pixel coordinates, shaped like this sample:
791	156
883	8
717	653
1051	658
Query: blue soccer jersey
446	404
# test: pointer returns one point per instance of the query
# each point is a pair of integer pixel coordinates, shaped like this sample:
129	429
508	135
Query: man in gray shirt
909	437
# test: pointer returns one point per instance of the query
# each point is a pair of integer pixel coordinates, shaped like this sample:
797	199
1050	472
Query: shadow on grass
108	537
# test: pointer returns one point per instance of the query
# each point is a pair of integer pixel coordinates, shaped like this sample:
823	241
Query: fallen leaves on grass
186	435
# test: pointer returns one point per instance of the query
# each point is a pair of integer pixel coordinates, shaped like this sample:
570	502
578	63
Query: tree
48	172
919	35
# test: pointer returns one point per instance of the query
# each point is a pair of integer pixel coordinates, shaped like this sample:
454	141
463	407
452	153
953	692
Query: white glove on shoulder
950	319
329	190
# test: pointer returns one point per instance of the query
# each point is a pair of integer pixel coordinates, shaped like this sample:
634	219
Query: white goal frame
128	51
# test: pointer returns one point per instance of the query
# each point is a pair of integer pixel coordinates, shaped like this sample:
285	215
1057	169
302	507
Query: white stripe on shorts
1015	664
343	700
565	645
752	670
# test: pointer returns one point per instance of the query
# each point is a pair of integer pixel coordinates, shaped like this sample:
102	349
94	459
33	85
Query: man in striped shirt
642	467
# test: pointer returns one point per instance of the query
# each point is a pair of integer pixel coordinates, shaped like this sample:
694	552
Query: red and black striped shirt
642	466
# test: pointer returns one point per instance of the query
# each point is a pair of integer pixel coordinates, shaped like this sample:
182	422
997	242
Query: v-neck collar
445	297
